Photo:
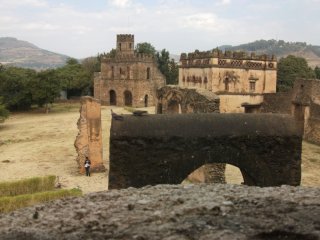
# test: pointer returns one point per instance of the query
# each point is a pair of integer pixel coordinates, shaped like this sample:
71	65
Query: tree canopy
167	66
145	48
291	68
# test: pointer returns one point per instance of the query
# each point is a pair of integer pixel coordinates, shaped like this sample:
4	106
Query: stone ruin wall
303	102
166	148
88	142
193	101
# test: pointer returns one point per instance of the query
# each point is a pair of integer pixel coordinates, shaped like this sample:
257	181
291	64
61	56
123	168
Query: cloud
17	3
121	3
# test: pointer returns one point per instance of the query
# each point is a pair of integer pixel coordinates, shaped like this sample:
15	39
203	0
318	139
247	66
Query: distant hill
24	54
280	49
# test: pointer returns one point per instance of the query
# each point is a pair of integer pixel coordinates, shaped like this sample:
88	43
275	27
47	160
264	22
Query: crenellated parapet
227	59
125	38
136	57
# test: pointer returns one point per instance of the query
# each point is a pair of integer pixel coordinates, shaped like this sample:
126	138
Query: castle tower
125	44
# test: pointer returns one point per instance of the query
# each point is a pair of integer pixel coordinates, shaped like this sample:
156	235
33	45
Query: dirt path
37	144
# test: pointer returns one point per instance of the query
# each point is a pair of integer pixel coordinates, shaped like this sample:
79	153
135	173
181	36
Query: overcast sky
81	28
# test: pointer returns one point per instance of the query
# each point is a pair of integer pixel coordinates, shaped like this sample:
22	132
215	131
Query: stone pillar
88	143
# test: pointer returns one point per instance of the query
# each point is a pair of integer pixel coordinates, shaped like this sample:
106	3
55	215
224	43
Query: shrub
8	204
27	186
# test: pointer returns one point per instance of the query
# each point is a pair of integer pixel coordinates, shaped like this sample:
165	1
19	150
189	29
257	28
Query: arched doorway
146	100
113	98
127	98
173	107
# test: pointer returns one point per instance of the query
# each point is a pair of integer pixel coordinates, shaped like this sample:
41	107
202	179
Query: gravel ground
173	212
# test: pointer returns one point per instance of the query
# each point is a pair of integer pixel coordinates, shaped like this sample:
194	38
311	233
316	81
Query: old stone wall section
88	142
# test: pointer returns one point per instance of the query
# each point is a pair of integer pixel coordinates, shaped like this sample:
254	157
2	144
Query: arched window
112	72
113	97
148	73
226	84
127	98
128	72
120	46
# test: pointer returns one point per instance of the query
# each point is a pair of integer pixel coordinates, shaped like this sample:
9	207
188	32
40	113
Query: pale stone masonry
128	78
239	79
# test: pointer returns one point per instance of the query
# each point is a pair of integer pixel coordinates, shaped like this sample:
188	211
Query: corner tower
125	44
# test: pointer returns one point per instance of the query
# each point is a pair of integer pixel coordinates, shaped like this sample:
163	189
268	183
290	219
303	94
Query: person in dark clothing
87	164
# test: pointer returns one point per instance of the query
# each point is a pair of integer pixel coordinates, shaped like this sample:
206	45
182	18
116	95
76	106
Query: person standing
87	164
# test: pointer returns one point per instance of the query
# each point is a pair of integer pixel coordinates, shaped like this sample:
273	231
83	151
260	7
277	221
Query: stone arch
113	98
127	98
165	149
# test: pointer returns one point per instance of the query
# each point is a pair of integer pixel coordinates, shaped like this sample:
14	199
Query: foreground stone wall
170	212
160	149
277	103
88	142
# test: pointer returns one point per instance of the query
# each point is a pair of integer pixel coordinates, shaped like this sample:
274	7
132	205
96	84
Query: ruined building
240	80
128	78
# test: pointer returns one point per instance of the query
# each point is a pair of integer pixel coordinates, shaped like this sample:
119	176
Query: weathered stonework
173	99
239	78
128	78
303	102
88	143
165	149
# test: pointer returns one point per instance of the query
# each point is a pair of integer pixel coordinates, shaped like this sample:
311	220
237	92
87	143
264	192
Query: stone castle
128	78
239	79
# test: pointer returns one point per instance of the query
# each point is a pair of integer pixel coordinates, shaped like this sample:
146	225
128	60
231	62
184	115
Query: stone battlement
216	53
125	38
140	57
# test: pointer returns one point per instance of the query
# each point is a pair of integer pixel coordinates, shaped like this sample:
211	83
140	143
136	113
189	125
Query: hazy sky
81	28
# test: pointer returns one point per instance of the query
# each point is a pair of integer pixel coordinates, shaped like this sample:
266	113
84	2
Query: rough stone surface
88	142
174	212
165	149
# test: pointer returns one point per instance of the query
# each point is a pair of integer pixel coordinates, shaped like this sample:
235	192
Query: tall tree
45	88
291	68
74	78
146	48
14	87
167	66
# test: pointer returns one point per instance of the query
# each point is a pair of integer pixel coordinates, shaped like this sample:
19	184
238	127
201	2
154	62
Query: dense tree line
21	88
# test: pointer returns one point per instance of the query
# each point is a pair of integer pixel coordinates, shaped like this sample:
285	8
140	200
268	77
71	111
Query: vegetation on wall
291	68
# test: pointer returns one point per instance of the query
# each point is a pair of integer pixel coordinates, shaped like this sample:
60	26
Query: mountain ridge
24	54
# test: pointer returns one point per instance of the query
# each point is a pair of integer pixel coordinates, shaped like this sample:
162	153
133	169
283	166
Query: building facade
239	79
128	78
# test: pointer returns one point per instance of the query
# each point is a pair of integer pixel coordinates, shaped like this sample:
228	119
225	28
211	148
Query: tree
167	66
4	113
291	68
145	48
74	78
45	88
14	87
317	72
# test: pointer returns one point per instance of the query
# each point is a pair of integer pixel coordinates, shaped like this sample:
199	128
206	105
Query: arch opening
173	107
113	98
127	98
215	173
